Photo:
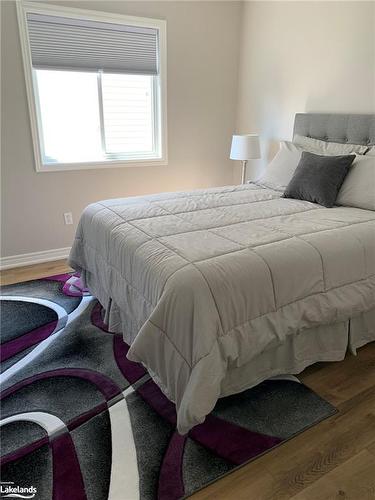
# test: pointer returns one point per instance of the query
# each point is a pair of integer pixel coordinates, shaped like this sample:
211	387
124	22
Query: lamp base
244	165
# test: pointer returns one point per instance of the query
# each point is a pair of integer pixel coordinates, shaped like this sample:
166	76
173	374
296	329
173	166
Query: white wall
303	57
203	48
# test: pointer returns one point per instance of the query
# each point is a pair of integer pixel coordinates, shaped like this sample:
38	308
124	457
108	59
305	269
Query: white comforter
207	280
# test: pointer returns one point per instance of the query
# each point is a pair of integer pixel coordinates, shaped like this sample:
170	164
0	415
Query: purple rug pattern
81	421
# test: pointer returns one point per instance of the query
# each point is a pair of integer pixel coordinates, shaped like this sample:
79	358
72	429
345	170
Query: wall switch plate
68	218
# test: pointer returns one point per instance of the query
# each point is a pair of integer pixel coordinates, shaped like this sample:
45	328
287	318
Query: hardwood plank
336	384
353	480
371	448
320	451
249	482
27	273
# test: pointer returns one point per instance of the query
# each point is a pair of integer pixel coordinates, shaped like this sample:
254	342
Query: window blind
80	44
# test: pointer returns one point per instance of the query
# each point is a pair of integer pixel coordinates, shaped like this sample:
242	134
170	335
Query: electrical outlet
68	218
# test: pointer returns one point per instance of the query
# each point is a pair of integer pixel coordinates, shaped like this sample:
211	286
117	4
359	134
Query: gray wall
303	57
203	48
272	59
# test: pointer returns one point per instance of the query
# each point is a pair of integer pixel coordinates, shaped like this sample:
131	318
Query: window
96	87
113	116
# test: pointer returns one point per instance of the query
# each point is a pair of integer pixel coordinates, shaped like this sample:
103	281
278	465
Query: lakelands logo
8	490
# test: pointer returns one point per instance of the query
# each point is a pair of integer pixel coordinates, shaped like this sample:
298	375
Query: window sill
61	167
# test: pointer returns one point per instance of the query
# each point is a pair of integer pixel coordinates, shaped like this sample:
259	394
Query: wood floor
334	460
28	273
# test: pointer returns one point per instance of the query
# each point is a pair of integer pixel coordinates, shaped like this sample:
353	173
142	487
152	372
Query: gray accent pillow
318	178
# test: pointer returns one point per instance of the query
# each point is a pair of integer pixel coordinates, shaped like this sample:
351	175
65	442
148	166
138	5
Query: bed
216	290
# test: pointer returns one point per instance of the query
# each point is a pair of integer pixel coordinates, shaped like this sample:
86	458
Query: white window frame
23	8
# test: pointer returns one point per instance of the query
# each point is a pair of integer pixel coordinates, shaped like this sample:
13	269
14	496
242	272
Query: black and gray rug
80	421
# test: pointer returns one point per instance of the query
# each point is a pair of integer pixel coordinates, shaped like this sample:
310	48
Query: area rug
80	421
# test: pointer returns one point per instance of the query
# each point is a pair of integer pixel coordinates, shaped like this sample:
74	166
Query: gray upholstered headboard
353	129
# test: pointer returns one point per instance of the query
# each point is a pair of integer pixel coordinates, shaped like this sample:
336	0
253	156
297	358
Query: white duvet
209	279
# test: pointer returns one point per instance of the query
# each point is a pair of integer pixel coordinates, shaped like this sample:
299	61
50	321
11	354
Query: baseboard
27	259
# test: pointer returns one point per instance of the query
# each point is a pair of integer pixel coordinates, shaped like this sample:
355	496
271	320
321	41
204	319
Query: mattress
202	283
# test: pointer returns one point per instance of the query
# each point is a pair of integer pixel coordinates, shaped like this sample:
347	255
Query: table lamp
245	147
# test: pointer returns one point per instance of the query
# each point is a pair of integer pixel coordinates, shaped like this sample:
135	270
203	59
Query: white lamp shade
245	147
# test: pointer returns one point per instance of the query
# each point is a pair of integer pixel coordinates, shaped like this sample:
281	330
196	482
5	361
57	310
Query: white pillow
327	148
358	189
281	169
